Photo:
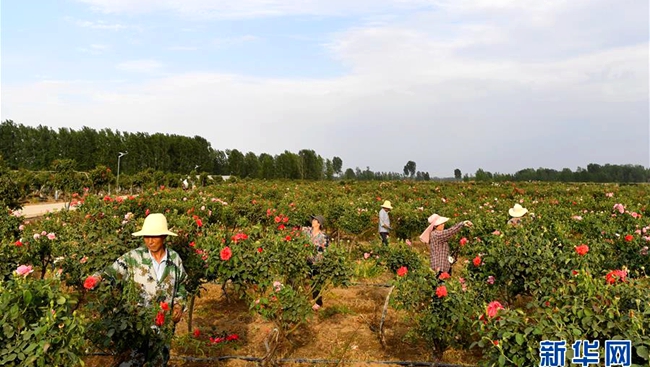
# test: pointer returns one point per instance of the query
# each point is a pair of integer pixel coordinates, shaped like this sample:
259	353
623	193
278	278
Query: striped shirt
439	247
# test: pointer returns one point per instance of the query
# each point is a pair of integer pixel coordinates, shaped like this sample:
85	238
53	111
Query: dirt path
37	210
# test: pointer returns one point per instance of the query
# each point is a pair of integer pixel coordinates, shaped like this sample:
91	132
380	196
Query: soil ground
345	328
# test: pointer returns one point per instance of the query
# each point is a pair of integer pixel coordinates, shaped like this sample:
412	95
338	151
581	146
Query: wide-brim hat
320	219
386	205
517	211
437	220
155	224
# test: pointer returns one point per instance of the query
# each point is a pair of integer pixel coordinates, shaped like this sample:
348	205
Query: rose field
575	270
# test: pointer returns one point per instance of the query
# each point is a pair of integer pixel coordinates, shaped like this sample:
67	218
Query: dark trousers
384	238
316	288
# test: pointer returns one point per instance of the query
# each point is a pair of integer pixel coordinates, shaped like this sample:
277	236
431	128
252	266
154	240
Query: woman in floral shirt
319	240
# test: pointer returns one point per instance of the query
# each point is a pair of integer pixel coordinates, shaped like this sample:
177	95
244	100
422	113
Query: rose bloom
160	318
402	271
441	291
614	275
164	306
629	237
90	282
493	308
24	270
477	261
197	332
444	276
582	250
463	241
226	254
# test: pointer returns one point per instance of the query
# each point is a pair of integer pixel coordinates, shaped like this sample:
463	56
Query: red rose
493	308
477	261
285	219
281	227
199	222
232	337
582	250
463	241
629	237
259	250
90	282
18	243
146	212
441	291
196	333
277	219
160	318
226	254
164	306
614	275
192	244
402	271
495	342
288	238
444	276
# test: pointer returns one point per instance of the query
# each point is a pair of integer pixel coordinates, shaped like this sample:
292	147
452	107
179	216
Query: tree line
38	148
627	173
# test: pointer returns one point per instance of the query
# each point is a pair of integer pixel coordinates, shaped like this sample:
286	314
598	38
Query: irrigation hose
315	361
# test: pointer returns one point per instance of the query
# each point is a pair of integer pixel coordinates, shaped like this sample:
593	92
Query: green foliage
39	324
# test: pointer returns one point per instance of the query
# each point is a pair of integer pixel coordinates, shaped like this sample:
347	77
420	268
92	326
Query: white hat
437	220
155	224
387	205
517	211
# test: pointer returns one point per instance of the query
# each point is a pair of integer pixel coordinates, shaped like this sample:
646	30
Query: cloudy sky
496	84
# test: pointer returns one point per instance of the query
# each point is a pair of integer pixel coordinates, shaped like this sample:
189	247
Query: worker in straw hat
384	222
437	237
517	213
159	272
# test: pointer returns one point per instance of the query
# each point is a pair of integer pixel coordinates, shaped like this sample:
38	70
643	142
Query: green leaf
502	360
520	339
642	351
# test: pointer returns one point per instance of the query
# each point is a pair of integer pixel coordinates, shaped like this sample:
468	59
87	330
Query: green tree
235	162
409	169
329	169
251	166
349	174
267	166
337	164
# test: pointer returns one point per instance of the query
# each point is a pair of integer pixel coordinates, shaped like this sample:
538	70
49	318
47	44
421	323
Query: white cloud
100	25
501	85
140	66
95	49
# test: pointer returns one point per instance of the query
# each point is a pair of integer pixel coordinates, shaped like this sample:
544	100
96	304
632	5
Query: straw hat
155	224
437	220
386	205
517	211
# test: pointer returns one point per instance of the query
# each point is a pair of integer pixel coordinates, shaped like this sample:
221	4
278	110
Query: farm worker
437	237
159	271
517	213
320	242
384	222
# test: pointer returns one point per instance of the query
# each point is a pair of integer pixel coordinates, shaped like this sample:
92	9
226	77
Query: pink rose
24	270
51	236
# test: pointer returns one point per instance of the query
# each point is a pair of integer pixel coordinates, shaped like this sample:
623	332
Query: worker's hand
467	223
178	313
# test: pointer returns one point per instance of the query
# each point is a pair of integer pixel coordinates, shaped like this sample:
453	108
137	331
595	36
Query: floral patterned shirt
139	265
319	241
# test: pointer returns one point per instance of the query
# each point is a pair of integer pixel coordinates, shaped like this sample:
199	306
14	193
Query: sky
495	84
